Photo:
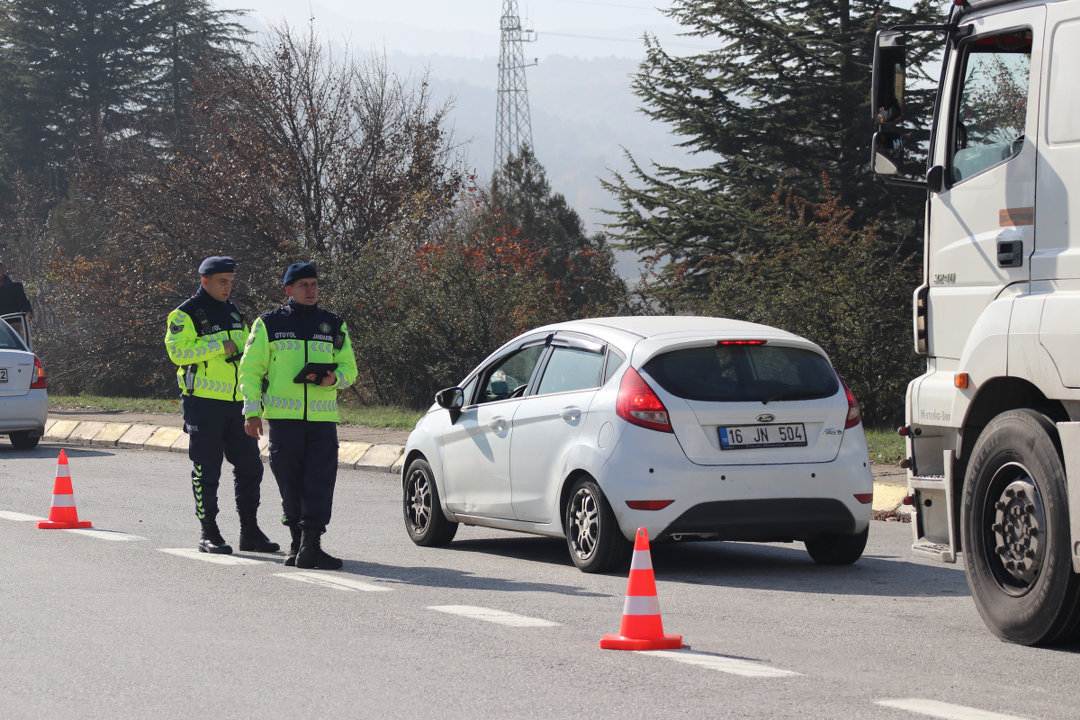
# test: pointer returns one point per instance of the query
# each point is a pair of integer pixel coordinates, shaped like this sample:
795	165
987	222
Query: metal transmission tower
513	129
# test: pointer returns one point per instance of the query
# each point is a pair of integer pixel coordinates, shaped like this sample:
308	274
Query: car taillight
39	378
854	416
638	404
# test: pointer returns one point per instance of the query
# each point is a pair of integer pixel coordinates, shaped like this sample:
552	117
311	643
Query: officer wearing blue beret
202	339
296	360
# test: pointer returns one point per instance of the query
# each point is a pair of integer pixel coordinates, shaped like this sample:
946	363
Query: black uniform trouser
216	428
303	457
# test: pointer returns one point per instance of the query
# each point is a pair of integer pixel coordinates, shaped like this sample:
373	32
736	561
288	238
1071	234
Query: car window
744	373
614	362
9	340
991	110
509	376
571	369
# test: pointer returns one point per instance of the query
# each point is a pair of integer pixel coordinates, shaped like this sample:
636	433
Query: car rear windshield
8	339
744	373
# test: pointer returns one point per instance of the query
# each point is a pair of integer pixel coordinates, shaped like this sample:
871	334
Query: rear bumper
24	412
736	502
778	520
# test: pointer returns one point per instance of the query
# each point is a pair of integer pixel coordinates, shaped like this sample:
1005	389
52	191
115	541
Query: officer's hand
329	380
253	427
230	347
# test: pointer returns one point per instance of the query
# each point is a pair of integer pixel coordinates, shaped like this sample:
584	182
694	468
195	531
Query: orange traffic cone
641	627
62	514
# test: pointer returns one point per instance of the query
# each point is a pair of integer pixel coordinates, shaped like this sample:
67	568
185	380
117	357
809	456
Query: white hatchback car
694	428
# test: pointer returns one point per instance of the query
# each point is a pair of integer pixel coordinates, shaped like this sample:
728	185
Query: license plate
743	437
3	375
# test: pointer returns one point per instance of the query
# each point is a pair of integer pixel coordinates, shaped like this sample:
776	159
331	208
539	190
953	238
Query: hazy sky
470	28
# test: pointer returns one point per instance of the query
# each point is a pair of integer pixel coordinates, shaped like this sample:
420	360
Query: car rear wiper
792	395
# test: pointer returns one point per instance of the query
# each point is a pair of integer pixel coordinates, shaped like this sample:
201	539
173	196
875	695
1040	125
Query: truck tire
1015	528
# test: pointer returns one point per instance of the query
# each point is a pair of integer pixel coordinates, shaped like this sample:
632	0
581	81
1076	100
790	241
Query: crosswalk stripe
734	666
944	710
499	617
211	557
334	581
18	517
114	535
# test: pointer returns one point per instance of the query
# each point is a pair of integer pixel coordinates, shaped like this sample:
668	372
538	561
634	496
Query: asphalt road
94	626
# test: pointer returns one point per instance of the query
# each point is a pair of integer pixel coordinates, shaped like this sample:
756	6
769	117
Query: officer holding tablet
297	358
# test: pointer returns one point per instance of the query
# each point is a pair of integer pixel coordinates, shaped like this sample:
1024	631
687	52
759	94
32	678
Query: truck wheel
1015	530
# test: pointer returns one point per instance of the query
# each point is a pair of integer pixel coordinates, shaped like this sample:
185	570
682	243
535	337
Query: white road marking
746	668
334	581
115	535
18	517
211	557
944	710
499	617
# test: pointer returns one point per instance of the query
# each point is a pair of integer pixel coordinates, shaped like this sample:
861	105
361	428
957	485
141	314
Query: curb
351	455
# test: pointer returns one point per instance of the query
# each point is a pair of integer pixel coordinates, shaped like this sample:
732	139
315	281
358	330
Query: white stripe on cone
642	560
641	605
63	501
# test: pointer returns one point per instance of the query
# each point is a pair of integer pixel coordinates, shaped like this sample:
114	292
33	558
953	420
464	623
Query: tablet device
319	369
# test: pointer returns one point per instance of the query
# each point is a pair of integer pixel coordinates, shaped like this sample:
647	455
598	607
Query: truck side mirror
887	85
888	152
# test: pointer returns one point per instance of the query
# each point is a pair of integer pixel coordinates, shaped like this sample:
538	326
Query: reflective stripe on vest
271	401
322	406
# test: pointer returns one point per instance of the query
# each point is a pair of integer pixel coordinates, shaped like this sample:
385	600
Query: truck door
982	221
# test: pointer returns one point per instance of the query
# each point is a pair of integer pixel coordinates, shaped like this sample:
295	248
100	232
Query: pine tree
76	72
189	33
783	97
523	202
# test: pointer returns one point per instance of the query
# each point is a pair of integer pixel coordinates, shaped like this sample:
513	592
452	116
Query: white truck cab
993	425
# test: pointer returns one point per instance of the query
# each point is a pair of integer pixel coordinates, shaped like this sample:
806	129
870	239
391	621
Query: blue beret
299	271
217	264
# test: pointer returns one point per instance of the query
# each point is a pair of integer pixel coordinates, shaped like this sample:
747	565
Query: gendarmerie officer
304	355
202	340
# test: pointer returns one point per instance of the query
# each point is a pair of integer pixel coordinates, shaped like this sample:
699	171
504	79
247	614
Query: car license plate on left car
744	437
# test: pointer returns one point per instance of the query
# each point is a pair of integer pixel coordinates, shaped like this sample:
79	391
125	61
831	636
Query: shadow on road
458	579
53	451
782	567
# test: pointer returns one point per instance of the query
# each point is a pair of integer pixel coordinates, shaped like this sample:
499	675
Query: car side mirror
450	398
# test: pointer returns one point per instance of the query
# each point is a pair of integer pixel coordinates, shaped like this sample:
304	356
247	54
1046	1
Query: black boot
311	554
252	539
211	541
294	547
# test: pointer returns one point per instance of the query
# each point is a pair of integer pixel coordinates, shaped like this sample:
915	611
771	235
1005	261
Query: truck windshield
991	113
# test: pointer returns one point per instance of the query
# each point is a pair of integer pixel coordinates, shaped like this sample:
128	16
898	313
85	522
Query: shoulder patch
236	316
176	329
324	327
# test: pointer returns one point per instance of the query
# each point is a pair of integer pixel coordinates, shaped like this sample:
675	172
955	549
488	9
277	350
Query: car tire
1017	545
832	549
23	440
424	519
593	535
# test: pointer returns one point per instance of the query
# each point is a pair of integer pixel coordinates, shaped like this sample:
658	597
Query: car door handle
497	423
570	413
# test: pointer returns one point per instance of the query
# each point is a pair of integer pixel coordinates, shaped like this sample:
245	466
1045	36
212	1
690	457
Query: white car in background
694	428
24	401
